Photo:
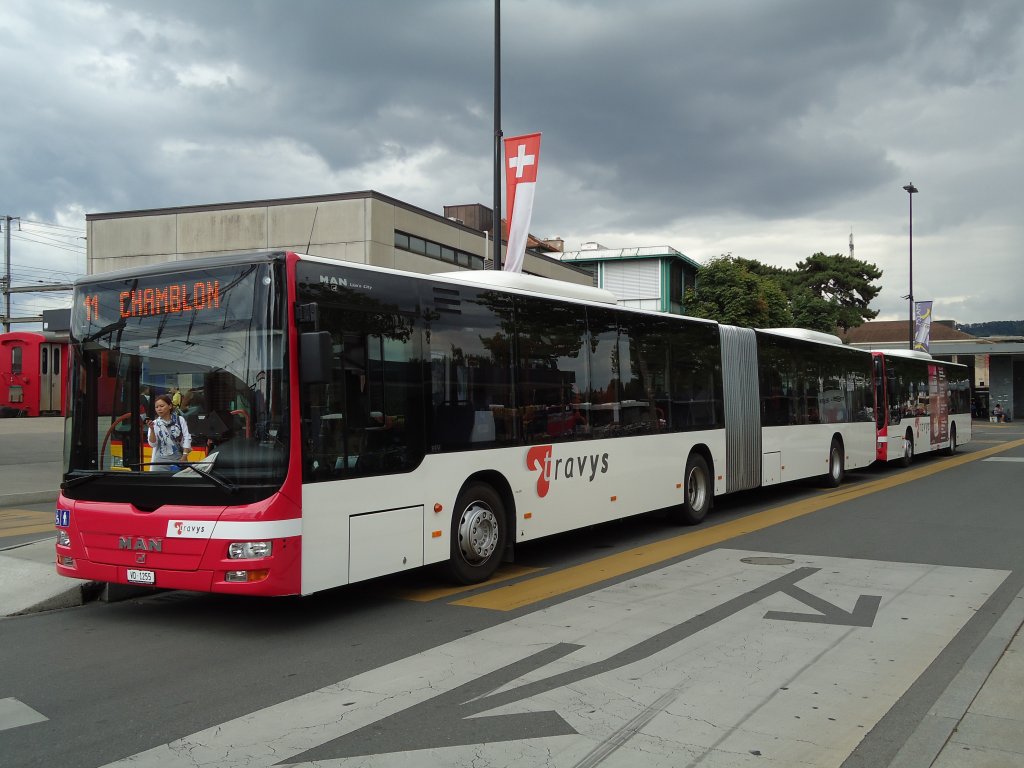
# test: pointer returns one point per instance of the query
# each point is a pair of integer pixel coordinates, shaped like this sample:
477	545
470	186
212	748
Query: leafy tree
843	282
728	291
823	293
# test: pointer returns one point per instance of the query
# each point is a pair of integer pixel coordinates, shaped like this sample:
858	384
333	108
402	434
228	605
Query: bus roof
805	334
532	283
913	353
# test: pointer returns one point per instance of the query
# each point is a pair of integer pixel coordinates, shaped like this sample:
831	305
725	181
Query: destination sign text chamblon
164	300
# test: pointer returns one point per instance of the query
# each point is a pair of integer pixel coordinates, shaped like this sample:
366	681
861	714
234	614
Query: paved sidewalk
29	581
31	463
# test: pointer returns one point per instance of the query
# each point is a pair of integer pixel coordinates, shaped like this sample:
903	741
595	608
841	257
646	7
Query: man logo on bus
538	458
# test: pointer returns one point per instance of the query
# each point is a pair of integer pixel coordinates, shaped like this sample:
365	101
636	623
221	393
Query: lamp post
910	190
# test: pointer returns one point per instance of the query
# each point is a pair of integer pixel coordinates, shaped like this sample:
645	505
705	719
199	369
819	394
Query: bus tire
697	490
950	449
908	450
478	534
836	465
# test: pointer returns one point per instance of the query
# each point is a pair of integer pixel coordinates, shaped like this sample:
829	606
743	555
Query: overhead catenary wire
54	226
63	246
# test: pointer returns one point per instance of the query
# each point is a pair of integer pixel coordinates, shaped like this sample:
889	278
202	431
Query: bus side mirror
315	357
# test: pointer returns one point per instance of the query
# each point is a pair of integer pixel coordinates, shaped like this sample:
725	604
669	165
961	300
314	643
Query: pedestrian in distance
997	412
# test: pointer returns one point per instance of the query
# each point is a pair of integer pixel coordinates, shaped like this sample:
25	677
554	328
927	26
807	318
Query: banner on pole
522	156
922	325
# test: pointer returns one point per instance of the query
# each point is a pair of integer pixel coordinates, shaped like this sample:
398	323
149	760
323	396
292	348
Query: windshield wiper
195	466
93	474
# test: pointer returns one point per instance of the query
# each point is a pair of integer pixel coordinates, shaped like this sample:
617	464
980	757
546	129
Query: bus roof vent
447	300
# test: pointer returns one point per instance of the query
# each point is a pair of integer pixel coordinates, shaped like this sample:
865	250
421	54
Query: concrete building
654	278
364	227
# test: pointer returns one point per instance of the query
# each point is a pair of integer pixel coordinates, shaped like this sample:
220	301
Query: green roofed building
653	278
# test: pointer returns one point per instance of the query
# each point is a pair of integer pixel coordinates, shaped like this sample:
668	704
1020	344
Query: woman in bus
168	436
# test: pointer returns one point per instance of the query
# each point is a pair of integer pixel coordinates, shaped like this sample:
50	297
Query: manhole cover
767	561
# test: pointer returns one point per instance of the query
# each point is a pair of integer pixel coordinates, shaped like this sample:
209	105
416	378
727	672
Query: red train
32	374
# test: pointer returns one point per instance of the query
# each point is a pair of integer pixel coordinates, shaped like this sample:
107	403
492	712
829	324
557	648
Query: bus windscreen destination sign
204	298
173	298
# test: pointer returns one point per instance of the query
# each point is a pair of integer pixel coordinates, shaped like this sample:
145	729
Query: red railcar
32	380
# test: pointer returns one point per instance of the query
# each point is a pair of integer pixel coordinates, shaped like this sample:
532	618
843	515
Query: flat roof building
365	227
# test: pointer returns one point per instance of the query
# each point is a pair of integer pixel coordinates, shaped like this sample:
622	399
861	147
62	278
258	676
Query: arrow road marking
695	663
449	719
862	615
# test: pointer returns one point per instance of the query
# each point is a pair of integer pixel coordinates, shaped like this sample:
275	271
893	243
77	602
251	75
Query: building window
437	251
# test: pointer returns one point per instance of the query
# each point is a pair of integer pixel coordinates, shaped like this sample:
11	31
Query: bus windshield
211	339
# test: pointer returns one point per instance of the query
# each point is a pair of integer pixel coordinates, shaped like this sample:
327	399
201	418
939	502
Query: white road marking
711	661
14	714
1016	459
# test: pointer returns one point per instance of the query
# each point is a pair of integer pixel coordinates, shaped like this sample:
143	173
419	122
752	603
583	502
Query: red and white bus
922	405
350	421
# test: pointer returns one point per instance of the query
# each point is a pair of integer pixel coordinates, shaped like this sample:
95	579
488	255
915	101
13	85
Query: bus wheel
478	534
951	448
697	486
836	465
908	450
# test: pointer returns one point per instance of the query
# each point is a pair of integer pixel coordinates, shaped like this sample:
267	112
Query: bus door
50	372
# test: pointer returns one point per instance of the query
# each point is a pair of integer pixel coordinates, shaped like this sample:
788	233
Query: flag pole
496	219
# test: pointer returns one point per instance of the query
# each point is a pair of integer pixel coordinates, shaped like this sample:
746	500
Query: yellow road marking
550	585
18	522
504	573
7	532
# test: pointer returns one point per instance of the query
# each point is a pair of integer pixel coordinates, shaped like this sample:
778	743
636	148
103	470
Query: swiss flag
522	157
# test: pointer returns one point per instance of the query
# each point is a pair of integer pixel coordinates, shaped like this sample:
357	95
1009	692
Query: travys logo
190	529
540	459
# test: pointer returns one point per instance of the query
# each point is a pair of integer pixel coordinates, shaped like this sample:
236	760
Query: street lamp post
910	190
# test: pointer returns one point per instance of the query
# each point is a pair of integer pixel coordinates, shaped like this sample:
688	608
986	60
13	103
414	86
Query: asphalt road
795	625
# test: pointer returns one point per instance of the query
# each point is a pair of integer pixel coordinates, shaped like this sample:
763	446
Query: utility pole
7	273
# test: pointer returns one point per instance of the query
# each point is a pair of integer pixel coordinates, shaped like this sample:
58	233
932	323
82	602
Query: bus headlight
62	538
250	550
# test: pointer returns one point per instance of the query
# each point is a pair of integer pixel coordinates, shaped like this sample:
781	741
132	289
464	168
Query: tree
843	282
823	293
728	291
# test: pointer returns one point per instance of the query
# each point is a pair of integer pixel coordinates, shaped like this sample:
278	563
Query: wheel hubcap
696	489
478	532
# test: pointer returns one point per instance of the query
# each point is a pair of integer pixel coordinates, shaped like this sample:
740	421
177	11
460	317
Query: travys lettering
540	459
183	529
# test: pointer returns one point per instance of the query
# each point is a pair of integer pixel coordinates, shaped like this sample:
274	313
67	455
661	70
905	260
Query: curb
77	595
932	735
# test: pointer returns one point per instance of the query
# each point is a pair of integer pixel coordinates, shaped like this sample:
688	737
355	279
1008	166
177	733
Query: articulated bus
349	421
923	405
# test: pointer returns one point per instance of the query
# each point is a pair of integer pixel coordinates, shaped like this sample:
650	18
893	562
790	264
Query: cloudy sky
768	129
